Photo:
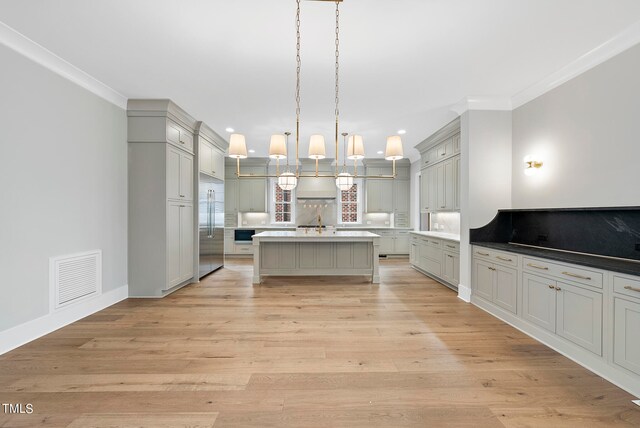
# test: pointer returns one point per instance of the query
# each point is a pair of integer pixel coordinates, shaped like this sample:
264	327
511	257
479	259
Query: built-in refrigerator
211	224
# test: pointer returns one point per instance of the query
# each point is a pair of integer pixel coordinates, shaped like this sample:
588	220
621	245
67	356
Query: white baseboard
464	293
31	330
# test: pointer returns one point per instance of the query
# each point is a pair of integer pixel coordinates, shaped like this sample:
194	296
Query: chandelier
353	145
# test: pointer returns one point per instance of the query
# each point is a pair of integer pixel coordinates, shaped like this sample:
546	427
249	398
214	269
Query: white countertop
441	235
267	227
313	235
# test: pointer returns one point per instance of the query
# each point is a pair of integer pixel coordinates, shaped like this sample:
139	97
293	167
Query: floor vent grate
75	277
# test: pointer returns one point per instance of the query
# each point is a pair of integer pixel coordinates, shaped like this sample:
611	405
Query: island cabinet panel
626	352
344	255
278	255
362	255
318	255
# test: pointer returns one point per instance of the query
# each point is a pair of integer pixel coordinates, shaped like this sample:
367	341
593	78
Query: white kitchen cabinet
180	247
401	190
161	193
436	257
569	311
401	243
456	183
179	174
451	267
495	283
428	190
252	195
626	352
211	160
230	202
379	195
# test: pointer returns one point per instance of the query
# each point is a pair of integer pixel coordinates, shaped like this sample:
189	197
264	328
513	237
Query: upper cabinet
388	195
211	149
440	172
245	194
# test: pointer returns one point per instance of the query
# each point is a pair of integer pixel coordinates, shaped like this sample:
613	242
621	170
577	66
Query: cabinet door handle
492	268
537	266
504	258
451	246
434	242
558	289
182	196
575	275
628	287
450	256
552	286
482	254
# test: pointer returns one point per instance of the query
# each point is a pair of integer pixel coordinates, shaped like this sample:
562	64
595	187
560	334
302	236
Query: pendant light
287	180
344	180
354	147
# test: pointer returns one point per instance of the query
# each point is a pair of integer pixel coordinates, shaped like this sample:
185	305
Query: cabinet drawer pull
628	287
450	256
182	196
537	266
575	275
442	206
558	289
435	242
482	254
552	286
451	246
504	258
492	268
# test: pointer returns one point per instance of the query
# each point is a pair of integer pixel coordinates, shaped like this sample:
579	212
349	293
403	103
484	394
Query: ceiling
404	63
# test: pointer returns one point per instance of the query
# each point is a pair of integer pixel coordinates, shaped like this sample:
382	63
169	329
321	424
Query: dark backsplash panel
611	232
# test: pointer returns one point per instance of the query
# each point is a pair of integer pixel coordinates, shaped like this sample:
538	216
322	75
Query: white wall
586	131
485	177
64	183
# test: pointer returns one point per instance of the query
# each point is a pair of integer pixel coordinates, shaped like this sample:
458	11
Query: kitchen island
289	253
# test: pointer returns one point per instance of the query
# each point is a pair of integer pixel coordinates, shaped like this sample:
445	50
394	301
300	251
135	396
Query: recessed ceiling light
229	129
251	151
380	152
402	131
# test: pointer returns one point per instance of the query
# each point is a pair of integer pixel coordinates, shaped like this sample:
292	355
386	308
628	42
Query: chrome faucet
319	224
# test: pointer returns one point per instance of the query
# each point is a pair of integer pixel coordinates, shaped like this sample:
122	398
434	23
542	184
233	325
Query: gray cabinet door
506	288
539	301
386	245
448	269
424	191
186	242
413	253
186	176
449	185
401	202
401	245
456	182
173	173
252	195
441	186
626	345
456	269
483	279
379	196
231	196
362	255
173	245
579	316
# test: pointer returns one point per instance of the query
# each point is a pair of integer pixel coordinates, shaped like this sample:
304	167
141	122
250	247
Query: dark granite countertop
614	265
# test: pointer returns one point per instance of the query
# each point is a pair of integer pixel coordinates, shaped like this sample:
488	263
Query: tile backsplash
445	222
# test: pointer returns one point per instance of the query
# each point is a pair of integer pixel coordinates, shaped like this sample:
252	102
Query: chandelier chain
337	58
298	60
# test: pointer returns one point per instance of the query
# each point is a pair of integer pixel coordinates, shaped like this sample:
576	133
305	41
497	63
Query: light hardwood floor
301	352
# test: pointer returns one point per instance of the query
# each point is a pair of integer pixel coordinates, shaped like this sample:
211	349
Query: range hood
316	188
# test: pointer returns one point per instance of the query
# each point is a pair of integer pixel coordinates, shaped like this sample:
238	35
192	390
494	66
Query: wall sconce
532	164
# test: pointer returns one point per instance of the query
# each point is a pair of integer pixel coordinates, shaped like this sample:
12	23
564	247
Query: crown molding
39	54
607	50
482	103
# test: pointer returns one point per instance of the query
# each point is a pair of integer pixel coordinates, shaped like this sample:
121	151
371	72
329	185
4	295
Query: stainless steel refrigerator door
211	226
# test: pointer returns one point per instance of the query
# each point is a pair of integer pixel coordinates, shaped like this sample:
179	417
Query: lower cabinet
438	258
626	325
572	312
497	284
179	243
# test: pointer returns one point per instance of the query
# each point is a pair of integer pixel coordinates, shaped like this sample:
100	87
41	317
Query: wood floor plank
303	352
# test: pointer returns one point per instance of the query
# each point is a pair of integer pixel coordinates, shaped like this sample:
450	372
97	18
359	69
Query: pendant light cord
337	99
298	67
